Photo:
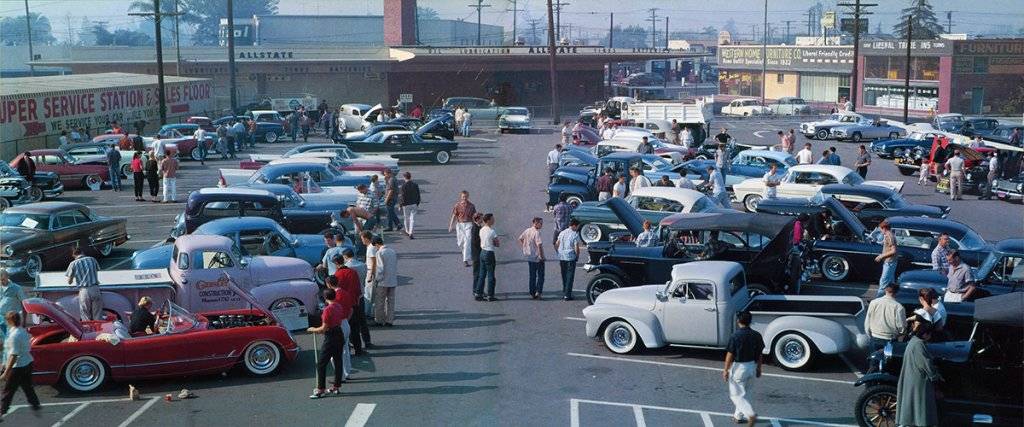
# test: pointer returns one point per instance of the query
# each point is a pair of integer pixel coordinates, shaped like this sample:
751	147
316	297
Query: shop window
780	78
980	64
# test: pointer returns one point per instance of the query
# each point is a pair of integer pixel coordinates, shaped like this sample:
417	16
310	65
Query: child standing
925	169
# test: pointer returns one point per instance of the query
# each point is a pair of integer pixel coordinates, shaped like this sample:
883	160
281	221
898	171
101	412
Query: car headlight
8	250
1020	187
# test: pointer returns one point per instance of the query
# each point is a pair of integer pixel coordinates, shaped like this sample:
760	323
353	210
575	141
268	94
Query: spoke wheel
601	284
876	407
35	194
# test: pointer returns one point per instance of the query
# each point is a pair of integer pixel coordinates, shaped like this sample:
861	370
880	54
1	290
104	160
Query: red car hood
53	312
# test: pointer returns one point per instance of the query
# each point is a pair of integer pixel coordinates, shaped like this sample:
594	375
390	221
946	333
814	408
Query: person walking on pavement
222	140
887	257
924	171
459	113
562	212
305	123
113	156
805	156
743	360
346	281
200	137
824	159
386	282
686	137
863	161
886	319
722	159
332	348
569	245
488	244
990	178
409	202
553	159
153	176
955	166
718	187
566	133
83	273
27	167
361	331
533	251
467	122
475	253
391	200
915	390
462	213
784	144
138	175
293	125
833	158
604	185
17	368
252	128
11	297
169	170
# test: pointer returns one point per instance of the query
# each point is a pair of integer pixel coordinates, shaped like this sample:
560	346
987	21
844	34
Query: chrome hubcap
33	265
835	267
793	351
620	336
85	374
261	357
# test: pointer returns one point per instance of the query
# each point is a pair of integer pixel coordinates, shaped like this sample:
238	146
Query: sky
591	16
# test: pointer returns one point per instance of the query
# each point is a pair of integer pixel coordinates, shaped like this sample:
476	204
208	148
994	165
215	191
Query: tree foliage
922	17
629	37
121	37
426	13
204	15
14	31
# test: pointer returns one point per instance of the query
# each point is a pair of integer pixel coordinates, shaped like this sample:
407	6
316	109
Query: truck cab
197	278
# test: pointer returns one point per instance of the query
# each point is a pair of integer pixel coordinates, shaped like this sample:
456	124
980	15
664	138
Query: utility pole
31	55
753	33
810	25
906	79
667	62
515	12
479	6
558	18
764	53
552	66
858	10
949	22
177	41
533	30
611	32
787	30
231	56
654	30
161	88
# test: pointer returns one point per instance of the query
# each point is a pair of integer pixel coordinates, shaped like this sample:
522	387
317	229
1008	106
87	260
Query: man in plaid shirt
368	202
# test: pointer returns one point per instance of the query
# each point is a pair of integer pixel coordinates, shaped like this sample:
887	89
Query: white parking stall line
575	318
71	414
638	415
704	368
706	418
139	412
705	415
149	215
574	413
360	415
72	402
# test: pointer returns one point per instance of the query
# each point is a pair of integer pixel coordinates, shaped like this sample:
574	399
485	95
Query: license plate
1001	194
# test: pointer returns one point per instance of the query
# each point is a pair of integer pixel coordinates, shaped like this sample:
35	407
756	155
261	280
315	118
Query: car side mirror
661	296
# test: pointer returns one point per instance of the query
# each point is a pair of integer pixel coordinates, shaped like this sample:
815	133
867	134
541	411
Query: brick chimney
399	22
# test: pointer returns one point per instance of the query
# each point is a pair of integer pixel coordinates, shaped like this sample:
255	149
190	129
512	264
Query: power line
515	11
558	5
654	29
157	16
858	10
479	6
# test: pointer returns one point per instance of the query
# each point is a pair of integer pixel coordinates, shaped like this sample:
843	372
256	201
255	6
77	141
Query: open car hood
250	299
371	111
627	215
54	312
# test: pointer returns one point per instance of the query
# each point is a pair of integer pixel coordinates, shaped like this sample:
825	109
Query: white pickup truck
698	307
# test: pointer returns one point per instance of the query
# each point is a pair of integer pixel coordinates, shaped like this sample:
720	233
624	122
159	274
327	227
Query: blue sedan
252	235
321	173
746	164
265	131
893	148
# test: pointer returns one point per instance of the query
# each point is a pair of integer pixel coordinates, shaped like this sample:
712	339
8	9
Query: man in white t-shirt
609	132
638	180
771	182
805	156
488	244
553	159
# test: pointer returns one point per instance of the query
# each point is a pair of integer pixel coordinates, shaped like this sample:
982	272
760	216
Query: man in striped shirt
82	272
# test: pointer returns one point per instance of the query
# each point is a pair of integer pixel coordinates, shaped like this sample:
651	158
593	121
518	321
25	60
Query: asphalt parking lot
450	360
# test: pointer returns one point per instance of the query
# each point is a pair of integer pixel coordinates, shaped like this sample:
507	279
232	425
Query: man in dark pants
474	250
391	199
568	244
348	282
332	347
18	366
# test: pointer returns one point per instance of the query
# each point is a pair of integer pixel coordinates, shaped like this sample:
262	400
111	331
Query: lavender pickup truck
197	278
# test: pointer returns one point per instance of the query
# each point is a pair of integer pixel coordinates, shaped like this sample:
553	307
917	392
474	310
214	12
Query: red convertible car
82	355
73	174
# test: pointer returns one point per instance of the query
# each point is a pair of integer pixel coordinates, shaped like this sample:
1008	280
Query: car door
798	184
690	315
208	276
66	235
917	245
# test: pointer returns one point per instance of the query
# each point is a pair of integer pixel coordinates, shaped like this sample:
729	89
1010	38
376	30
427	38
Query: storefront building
946	76
815	73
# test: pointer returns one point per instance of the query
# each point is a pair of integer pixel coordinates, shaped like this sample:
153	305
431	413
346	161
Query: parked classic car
937	153
752	163
873	203
480	109
698	306
1002	271
673	153
356	117
803	181
745	107
73	175
198	277
514	119
208	204
860	131
822	129
340	149
15	189
577	157
252	236
1009	188
335	160
897	147
68	351
321	172
762	243
597	222
850	257
644	79
40	236
265	131
977	126
980	375
1002	133
96	153
790	106
577	183
948	122
406	145
183	136
302	206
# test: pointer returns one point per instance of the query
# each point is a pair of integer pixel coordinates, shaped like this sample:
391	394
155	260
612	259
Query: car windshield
750	102
290	200
853	179
703	204
178	319
790	161
659	164
516	112
896	201
971	241
25	220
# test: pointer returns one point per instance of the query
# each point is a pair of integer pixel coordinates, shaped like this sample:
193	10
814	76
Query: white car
745	107
790	106
357	116
659	128
597	222
662	149
340	150
803	181
514	119
822	129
